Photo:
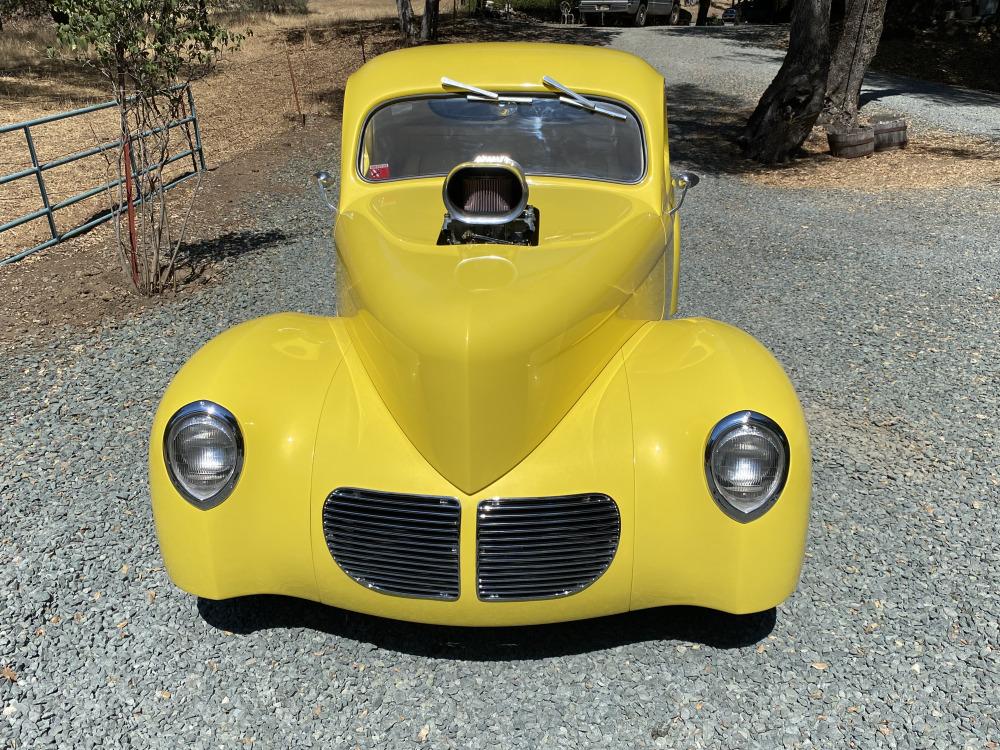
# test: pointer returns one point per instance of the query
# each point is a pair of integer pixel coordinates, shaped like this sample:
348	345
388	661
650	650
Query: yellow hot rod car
503	425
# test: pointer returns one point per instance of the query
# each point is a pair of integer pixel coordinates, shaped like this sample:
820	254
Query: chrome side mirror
324	183
683	181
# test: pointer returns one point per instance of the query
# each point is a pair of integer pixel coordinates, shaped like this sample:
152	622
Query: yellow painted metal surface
516	345
637	434
480	371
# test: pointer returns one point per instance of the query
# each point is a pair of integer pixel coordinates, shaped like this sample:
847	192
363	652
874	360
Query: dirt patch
933	159
80	284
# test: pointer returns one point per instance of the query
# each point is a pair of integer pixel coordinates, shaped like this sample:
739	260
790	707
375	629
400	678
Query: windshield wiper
477	94
580	101
491	96
502	99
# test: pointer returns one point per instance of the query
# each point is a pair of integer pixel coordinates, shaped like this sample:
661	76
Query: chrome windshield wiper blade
580	101
488	95
502	99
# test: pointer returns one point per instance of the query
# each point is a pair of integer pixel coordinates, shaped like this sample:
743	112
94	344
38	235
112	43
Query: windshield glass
428	137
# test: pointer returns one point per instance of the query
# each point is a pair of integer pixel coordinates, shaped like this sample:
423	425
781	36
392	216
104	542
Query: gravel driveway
885	310
743	60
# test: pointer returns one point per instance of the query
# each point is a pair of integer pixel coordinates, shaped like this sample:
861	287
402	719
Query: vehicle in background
597	12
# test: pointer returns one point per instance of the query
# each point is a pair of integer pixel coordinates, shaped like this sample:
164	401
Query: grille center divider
526	548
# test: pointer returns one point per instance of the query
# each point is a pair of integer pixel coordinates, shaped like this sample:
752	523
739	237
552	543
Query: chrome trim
395	543
487	162
577	100
546	547
618	103
324	181
214	410
684	181
451	83
724	426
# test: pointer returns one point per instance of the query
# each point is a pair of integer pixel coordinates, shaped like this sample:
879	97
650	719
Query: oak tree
787	112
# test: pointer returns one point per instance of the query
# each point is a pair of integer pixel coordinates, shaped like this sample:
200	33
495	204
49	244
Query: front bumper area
313	423
595	7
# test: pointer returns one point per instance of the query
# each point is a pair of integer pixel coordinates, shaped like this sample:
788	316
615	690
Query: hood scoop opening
487	203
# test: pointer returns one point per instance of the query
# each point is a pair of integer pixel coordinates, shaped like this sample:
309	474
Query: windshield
428	137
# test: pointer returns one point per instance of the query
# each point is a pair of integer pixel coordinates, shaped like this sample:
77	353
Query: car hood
479	350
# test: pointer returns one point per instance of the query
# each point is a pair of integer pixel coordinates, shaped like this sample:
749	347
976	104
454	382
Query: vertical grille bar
397	544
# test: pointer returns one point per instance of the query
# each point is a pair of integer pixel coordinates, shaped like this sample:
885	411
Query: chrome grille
543	547
398	544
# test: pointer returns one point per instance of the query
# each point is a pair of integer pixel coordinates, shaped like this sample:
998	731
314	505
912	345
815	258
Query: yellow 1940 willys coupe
503	425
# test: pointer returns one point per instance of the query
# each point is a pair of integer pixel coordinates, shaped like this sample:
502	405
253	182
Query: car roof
506	66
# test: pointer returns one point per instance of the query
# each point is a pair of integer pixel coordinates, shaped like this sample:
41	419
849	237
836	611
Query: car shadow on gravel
686	625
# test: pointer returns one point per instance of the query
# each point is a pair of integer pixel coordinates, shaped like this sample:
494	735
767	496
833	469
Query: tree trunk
407	25
852	53
703	6
787	111
429	23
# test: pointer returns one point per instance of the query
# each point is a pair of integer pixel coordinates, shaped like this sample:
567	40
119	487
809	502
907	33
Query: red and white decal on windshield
378	172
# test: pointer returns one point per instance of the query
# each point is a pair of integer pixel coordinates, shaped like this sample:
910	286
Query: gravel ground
743	61
885	312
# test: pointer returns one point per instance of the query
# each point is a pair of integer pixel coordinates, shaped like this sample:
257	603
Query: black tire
675	15
640	16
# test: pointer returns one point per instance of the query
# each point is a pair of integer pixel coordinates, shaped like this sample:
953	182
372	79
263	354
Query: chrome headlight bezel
227	422
728	427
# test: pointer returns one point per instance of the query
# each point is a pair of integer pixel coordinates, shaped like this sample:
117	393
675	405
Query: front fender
683	377
273	375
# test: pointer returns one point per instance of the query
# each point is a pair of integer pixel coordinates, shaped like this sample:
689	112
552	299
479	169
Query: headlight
746	462
203	449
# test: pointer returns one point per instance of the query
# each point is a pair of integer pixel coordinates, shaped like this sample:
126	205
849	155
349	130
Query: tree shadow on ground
745	35
704	129
331	99
879	86
496	30
250	614
200	255
382	34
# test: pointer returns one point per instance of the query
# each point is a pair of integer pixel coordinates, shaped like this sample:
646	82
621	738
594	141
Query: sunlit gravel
884	309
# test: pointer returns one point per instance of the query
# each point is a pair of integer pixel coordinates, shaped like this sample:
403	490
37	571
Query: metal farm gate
38	169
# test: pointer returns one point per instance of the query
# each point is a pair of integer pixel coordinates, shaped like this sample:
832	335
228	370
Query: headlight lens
203	449
746	463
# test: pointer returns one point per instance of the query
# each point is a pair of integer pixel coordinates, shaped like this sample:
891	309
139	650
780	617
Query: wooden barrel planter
890	133
852	143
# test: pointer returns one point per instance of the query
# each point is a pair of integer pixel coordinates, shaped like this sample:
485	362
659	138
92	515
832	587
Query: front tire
640	16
